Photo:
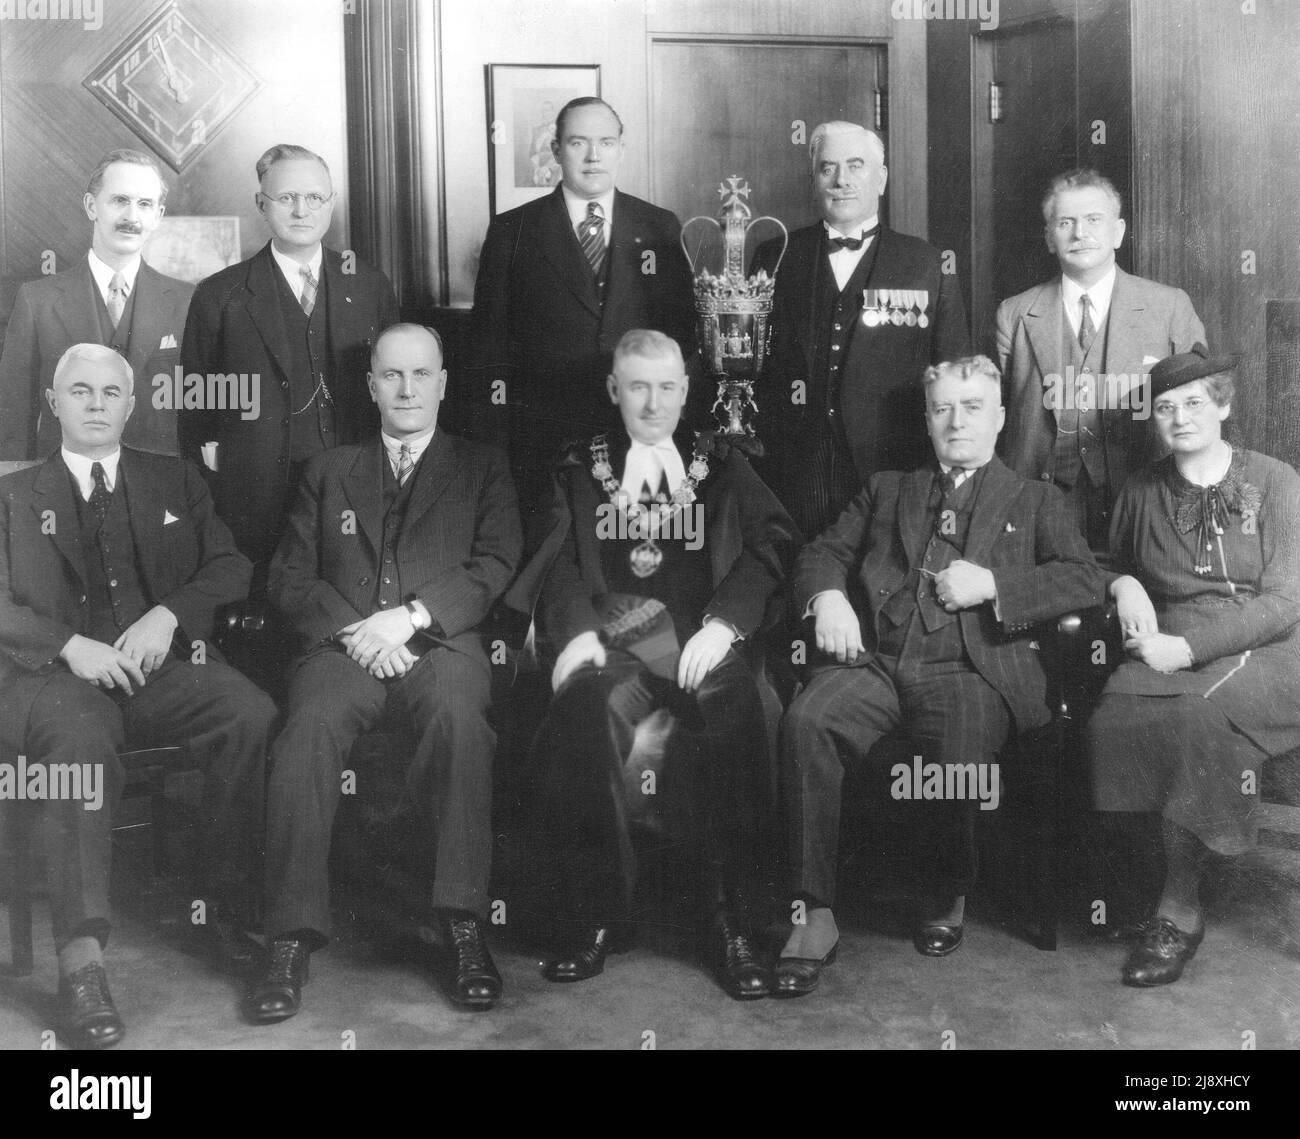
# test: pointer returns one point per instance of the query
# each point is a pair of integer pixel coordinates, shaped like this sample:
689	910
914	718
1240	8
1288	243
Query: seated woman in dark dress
1207	545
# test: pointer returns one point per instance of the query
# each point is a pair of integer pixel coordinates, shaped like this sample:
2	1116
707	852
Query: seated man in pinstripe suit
922	595
396	549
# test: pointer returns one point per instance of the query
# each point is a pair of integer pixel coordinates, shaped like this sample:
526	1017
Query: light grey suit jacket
1147	322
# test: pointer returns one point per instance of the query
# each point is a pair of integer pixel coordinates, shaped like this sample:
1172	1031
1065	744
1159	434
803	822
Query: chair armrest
243	629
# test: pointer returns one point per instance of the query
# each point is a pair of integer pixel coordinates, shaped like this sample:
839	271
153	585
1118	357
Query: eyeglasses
1193	406
289	200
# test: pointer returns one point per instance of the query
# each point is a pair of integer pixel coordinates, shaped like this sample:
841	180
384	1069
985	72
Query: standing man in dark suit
715	579
858	314
113	298
300	318
1076	352
922	595
395	551
112	567
559	281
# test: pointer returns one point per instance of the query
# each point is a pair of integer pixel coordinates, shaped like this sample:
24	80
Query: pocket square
1147	361
169	518
168	341
1010	528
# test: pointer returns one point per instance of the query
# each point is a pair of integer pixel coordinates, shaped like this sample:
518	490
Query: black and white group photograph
651	525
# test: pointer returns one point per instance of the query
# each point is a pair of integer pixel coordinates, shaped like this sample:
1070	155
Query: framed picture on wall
522	102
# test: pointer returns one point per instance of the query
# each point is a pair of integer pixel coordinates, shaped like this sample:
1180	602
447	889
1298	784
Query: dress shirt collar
844	261
1099	295
80	466
644	462
963	473
854	233
292	269
103	273
577	208
393	447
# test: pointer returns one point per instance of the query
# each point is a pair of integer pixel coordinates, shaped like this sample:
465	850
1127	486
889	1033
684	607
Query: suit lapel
340	306
364	487
1043	319
801	264
146	506
151	316
433	476
558	244
1124	326
997	491
914	513
263	305
52	491
75	309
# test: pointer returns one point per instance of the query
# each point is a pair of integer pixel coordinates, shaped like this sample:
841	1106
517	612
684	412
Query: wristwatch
418	619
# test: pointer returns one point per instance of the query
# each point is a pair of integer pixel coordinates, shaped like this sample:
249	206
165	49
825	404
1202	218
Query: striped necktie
591	232
116	299
308	296
405	465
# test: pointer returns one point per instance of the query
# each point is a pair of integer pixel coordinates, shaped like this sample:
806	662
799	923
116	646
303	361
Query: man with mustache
110	297
559	281
1084	339
859	312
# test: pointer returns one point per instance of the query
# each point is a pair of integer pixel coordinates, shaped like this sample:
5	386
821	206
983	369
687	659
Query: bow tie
853	243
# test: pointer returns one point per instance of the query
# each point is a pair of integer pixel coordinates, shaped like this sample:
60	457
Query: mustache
129	227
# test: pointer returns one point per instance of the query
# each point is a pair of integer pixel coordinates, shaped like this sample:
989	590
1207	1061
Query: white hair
835	128
98	354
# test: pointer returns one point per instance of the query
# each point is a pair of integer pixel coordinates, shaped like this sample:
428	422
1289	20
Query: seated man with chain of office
656	537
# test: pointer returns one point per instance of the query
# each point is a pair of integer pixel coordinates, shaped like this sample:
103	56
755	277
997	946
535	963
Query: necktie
308	297
116	299
591	232
853	243
1086	328
405	465
948	481
99	496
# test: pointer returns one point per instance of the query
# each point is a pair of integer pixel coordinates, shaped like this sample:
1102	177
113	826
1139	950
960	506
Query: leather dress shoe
937	940
740	973
231	950
477	984
86	1011
585	962
1161	955
798	976
278	995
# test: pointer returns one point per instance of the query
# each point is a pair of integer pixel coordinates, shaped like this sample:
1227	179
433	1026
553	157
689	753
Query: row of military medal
896	306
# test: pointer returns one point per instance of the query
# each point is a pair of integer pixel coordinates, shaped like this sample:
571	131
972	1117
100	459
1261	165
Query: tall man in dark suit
300	318
922	594
710	563
858	314
112	566
113	298
559	281
396	549
1076	351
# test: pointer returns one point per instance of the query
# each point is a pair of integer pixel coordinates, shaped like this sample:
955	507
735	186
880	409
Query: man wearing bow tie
300	318
922	596
708	555
112	567
112	297
396	549
560	279
858	314
1076	352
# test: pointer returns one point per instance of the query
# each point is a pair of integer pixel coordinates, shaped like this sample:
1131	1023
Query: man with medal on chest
656	537
859	312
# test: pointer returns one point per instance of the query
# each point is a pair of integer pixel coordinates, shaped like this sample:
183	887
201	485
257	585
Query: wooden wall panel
52	130
1217	145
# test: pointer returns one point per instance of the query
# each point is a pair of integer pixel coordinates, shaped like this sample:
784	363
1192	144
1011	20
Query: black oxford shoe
937	940
740	973
798	976
1161	955
278	995
476	984
587	961
86	1011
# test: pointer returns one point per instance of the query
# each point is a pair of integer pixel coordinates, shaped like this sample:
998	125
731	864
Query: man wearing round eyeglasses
297	319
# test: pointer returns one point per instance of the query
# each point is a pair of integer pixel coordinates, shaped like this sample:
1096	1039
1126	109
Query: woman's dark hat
1175	371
